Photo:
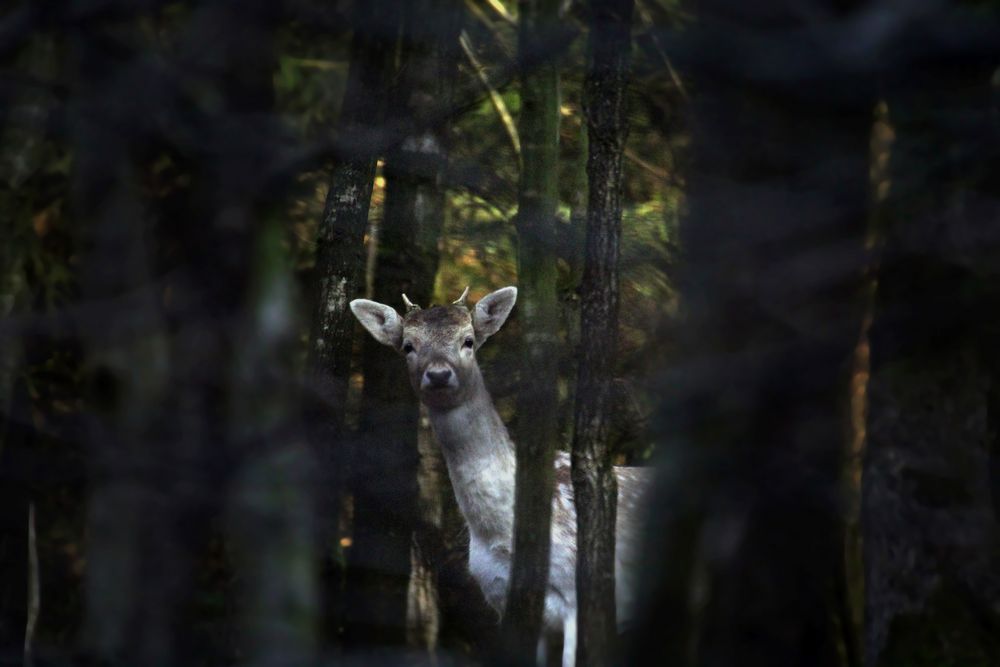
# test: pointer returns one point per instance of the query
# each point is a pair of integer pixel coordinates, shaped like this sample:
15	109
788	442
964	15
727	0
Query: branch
488	24
648	20
501	11
495	98
659	172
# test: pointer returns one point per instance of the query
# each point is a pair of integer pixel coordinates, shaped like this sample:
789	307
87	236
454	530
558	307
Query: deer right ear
381	321
492	311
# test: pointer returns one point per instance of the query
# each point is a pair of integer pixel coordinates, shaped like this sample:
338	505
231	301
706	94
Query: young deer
440	345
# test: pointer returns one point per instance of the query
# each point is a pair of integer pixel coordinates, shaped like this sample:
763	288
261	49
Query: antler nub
410	306
460	301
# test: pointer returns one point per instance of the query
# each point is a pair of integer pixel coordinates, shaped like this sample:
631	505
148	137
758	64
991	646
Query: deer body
439	345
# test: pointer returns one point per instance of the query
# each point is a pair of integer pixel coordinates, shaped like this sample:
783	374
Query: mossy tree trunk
595	488
930	490
538	313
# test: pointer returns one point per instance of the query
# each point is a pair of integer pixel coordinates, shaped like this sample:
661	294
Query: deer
439	345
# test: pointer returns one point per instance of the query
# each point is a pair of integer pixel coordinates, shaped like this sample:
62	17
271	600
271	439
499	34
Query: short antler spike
460	301
410	306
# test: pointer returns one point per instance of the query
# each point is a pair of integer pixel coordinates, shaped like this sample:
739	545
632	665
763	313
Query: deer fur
439	346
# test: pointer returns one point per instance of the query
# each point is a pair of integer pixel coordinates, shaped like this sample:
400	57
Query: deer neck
481	463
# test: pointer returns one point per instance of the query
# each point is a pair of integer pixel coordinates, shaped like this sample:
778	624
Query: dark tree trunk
136	573
271	501
387	579
268	501
930	517
384	468
190	368
537	400
594	486
744	536
340	262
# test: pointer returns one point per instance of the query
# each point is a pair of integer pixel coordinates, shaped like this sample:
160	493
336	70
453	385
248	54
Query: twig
501	11
34	589
488	24
318	63
644	13
495	98
659	172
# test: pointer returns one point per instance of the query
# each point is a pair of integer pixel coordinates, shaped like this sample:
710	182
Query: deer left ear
492	311
381	321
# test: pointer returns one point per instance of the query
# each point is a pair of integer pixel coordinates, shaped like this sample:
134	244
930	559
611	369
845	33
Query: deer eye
407	347
469	342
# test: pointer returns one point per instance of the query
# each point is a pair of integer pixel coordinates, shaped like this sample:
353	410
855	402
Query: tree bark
537	402
744	534
931	535
340	264
595	488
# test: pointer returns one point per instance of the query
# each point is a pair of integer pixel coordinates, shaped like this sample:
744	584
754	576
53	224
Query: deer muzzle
438	376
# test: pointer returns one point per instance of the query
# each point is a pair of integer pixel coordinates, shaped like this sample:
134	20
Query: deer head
440	343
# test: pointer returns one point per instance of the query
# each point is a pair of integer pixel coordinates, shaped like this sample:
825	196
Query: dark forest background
204	462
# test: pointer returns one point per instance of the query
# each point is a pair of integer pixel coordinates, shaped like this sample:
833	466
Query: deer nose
437	377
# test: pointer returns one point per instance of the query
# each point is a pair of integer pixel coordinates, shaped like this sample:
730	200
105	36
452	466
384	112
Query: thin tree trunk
537	404
340	263
594	486
931	536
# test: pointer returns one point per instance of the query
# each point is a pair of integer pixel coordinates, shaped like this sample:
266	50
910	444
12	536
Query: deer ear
492	311
381	321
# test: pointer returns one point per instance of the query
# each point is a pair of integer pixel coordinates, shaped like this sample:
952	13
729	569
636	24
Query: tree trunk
271	504
340	264
191	368
594	485
268	502
136	575
537	401
744	536
930	513
386	513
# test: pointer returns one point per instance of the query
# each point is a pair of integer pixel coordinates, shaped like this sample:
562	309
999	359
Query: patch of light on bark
336	299
349	195
274	316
